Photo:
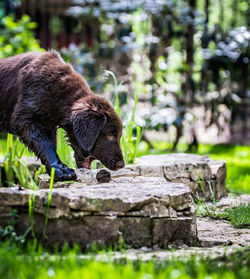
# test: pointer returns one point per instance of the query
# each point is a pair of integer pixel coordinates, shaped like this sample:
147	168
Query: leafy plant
65	152
17	36
32	200
16	169
8	233
132	132
24	177
52	176
200	201
12	161
9	160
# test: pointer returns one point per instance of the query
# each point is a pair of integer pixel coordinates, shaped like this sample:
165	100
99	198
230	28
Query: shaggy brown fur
40	92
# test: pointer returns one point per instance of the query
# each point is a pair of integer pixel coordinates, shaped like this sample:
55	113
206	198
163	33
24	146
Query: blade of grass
52	176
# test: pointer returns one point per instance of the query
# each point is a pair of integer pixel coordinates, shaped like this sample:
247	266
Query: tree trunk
188	83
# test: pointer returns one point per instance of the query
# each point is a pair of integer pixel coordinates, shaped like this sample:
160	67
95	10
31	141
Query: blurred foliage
34	261
182	52
17	36
185	54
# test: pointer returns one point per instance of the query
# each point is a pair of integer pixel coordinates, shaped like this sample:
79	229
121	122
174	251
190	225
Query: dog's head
97	129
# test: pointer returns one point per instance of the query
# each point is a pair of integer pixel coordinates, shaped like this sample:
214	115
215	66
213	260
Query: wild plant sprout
199	200
52	176
32	200
16	169
132	132
9	160
65	152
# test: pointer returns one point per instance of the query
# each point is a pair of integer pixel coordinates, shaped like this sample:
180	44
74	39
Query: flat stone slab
220	232
229	201
189	169
144	254
86	176
143	211
216	239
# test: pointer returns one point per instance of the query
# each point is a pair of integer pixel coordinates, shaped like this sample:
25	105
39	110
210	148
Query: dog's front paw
63	173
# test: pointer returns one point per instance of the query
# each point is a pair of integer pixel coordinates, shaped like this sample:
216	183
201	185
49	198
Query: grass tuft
240	216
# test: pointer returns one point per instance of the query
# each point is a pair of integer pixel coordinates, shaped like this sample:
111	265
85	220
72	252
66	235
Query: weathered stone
139	204
85	176
44	182
220	232
125	172
216	238
132	208
84	231
179	168
185	253
168	230
89	176
229	202
136	231
189	169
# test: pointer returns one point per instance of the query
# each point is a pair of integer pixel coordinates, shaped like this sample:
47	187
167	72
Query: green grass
240	216
19	145
37	263
236	157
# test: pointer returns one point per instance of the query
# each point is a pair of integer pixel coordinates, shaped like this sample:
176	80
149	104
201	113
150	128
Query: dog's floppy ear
87	125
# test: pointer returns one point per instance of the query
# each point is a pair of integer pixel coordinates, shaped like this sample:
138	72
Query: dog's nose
120	164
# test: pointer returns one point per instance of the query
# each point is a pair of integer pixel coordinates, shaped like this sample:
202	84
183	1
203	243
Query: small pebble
103	176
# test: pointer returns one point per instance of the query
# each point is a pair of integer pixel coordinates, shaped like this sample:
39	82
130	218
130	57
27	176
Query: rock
87	177
163	255
220	232
44	182
125	172
230	201
189	169
166	231
181	168
143	211
216	239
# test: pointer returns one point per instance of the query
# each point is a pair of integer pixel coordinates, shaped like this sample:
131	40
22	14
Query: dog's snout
120	164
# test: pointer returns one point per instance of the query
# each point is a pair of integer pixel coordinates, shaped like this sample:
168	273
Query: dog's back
9	90
36	77
40	92
9	69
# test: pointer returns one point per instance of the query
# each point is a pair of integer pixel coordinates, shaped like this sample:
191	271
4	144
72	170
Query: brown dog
40	92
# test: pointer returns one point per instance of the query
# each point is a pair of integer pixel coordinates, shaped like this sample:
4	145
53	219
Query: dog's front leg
43	143
79	153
